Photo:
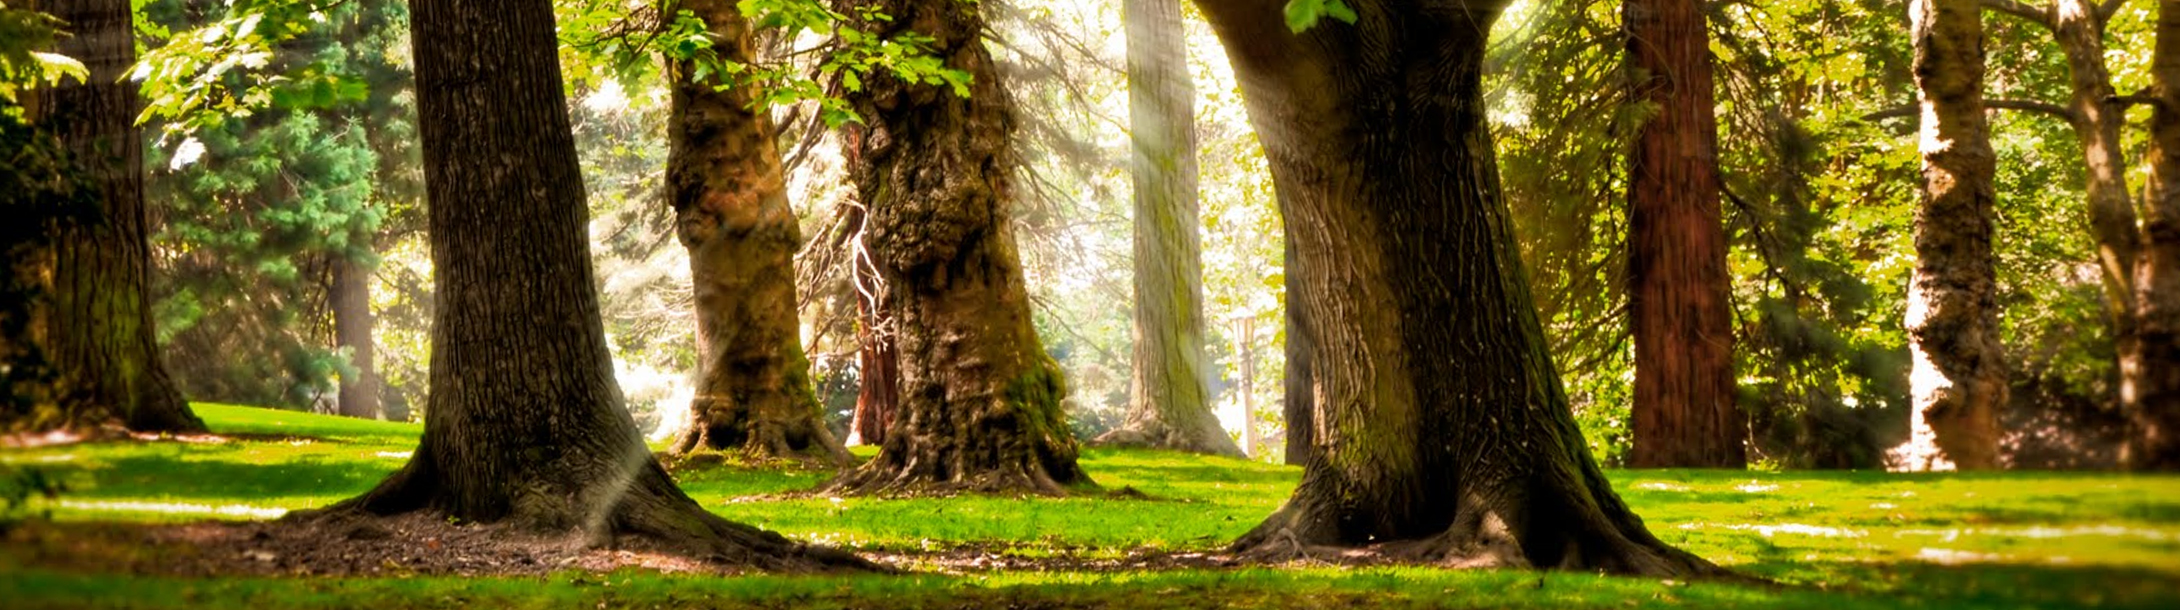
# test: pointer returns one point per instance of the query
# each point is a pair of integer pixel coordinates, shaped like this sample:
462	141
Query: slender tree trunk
97	329
352	321
1959	379
878	362
1684	413
1445	434
1168	405
724	181
980	399
526	429
1299	409
2150	393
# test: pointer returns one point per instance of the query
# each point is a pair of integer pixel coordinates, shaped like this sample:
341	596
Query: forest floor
130	529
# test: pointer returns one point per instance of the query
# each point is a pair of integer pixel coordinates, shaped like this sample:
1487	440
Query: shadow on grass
226	480
1983	584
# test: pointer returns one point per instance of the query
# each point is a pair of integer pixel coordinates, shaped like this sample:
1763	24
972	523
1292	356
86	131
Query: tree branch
2037	14
1907	110
2110	8
2145	97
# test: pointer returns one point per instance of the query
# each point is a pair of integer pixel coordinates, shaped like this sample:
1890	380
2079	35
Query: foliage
23	32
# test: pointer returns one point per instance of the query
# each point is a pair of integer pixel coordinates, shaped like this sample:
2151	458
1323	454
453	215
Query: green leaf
1301	14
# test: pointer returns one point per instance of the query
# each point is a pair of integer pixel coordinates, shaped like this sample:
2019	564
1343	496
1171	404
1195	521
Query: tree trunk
724	181
1168	405
1959	378
97	328
352	320
1443	431
878	362
2150	393
980	399
526	429
1299	409
1684	413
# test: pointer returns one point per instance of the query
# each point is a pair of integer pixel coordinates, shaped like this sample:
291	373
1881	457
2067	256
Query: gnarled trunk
1299	410
526	429
724	181
1684	413
351	297
1959	378
2150	393
96	330
1168	405
1444	434
979	398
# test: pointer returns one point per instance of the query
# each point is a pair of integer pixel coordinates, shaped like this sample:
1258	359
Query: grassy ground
1833	539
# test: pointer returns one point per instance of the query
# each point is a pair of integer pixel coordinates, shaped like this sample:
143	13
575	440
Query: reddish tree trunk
1684	413
2150	393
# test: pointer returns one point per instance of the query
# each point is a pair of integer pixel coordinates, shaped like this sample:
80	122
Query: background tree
96	325
1684	412
1446	434
979	398
729	197
2152	398
1952	317
1168	405
526	427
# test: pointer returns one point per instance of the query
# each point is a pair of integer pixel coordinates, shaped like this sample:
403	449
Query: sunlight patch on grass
175	508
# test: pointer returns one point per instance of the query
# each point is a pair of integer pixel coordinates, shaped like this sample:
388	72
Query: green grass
1834	539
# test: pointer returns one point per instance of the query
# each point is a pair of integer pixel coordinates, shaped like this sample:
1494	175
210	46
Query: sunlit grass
1945	540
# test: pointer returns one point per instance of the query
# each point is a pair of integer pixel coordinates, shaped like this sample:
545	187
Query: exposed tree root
649	514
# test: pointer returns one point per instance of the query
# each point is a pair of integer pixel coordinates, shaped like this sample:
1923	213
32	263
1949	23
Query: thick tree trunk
2150	393
980	399
1959	378
97	329
724	181
526	429
1684	413
1444	434
1300	410
1168	405
352	321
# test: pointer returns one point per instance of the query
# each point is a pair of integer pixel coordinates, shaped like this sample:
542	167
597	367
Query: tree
350	294
979	397
1959	379
724	182
1168	405
1684	412
97	333
2151	392
1445	434
877	361
525	427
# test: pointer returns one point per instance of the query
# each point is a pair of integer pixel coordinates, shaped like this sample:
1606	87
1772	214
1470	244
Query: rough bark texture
1959	378
980	400
1684	413
526	429
724	182
1443	433
2150	394
352	320
1168	404
96	327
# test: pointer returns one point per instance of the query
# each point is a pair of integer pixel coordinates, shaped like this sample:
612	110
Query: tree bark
980	399
1684	413
1168	405
2150	394
1443	431
1959	378
878	362
352	322
724	182
97	332
526	429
